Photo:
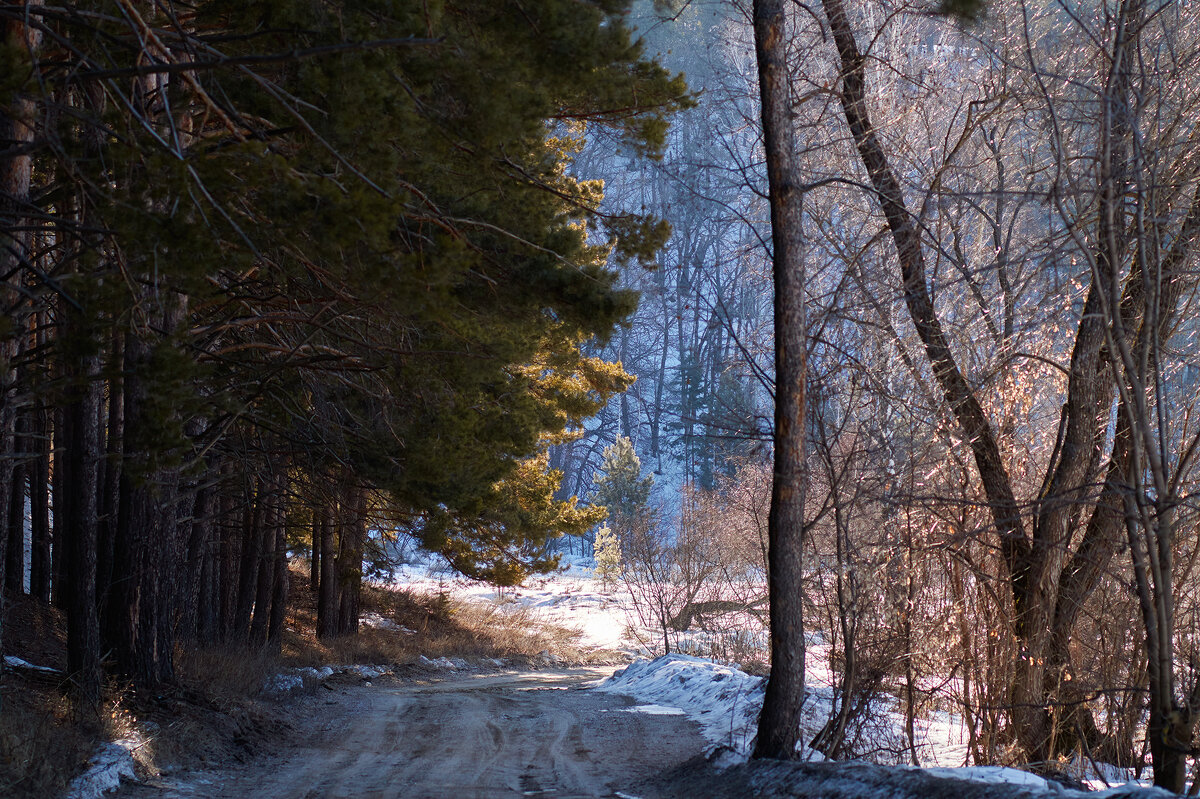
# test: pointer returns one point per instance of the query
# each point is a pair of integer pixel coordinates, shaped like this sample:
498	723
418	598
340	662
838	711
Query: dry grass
43	739
440	627
42	742
225	673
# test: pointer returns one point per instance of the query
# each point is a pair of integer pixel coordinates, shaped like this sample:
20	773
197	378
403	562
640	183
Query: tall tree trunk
15	558
58	499
226	578
314	566
18	118
327	592
111	475
80	519
279	581
352	521
39	505
251	552
146	547
265	581
195	599
779	723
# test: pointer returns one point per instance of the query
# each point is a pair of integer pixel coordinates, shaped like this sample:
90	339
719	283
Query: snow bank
723	700
108	764
726	701
858	780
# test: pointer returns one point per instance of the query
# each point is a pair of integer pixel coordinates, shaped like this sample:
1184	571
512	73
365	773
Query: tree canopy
289	244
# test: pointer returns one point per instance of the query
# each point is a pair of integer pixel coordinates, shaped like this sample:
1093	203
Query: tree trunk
327	592
196	599
779	723
279	595
18	118
314	567
146	552
15	558
39	505
79	523
248	569
110	497
265	581
350	554
227	557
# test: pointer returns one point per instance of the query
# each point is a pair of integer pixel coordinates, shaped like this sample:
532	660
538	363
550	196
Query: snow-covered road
483	735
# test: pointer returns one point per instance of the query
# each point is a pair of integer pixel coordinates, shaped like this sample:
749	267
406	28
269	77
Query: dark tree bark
196	600
111	473
227	558
314	567
14	560
39	505
265	581
352	521
279	594
18	117
327	593
146	550
80	520
58	492
251	552
779	723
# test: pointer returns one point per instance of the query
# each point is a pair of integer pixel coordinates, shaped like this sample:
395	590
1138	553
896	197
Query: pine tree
621	488
344	237
608	557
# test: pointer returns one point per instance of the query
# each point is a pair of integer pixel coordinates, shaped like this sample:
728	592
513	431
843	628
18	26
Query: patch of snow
283	683
572	598
380	623
654	710
368	672
990	775
108	765
14	662
450	664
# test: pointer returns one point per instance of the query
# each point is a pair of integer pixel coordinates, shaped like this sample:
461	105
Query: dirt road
533	734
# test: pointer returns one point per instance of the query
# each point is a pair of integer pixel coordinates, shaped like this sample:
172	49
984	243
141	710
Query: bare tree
779	724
